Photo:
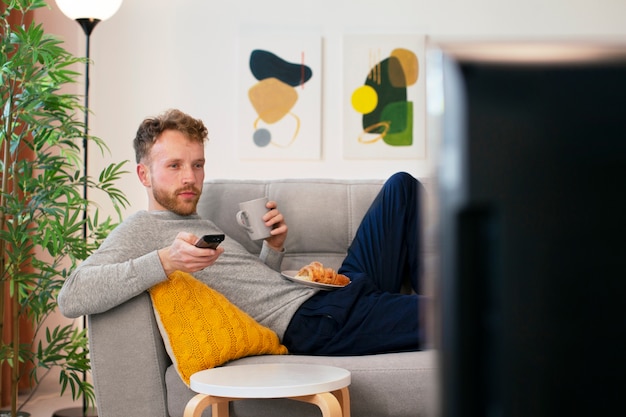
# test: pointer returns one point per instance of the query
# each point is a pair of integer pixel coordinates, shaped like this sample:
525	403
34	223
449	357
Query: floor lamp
88	13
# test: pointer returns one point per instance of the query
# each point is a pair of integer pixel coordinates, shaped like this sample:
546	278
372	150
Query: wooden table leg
343	396
327	403
198	403
331	404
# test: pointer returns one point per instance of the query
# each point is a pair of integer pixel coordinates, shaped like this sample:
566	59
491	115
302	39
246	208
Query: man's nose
188	176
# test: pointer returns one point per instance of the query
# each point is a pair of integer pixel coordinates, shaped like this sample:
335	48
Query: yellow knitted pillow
202	329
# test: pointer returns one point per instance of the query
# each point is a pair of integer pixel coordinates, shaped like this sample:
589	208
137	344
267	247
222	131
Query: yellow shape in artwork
364	99
404	68
272	99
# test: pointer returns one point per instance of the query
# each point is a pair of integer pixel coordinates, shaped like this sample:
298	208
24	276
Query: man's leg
355	320
386	245
359	318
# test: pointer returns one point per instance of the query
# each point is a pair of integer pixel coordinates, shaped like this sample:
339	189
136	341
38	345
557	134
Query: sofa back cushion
322	214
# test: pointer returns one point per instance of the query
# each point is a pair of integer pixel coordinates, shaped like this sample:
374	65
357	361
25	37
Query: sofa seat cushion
390	384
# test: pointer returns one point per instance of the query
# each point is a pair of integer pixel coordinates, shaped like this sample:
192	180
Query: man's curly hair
151	128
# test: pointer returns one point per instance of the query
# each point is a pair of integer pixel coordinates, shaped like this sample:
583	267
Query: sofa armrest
126	347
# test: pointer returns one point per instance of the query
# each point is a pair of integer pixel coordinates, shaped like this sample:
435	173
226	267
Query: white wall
156	54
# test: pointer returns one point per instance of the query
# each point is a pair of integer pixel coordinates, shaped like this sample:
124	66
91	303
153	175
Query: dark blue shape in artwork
264	64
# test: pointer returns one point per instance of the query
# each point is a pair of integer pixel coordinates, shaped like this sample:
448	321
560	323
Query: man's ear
144	175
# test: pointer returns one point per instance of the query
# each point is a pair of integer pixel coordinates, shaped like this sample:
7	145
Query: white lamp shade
89	9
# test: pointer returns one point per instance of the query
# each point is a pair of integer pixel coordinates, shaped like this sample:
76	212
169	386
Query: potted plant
47	225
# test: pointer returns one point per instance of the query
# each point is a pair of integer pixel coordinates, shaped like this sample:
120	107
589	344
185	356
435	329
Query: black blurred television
532	217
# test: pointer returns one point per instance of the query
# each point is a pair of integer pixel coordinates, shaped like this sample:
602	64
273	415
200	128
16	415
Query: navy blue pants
370	315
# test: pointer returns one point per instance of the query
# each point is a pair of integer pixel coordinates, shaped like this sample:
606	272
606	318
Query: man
367	316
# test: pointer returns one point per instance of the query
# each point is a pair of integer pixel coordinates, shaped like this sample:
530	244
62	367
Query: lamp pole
88	25
88	13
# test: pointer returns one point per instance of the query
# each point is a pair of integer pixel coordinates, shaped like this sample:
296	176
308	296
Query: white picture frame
279	100
384	119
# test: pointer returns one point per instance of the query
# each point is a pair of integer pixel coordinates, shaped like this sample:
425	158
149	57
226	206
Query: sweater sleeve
271	257
124	266
95	287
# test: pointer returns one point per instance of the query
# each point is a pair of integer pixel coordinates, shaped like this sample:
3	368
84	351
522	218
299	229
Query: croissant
316	272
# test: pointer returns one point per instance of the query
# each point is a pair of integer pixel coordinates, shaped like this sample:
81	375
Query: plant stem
16	349
6	156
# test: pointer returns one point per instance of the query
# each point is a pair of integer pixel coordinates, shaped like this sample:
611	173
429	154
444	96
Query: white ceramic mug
250	217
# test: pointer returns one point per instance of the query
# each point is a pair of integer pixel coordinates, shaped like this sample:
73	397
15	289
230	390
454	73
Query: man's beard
172	203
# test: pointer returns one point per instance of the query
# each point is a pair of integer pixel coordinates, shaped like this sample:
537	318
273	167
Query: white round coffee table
324	386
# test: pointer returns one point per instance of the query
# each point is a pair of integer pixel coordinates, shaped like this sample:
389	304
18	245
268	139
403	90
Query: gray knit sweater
127	264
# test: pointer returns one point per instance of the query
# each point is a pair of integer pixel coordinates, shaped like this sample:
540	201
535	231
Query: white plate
291	275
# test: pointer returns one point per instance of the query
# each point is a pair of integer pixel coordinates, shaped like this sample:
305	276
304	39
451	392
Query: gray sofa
132	372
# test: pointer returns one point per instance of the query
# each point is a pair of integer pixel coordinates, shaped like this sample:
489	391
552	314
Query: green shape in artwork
400	116
379	79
